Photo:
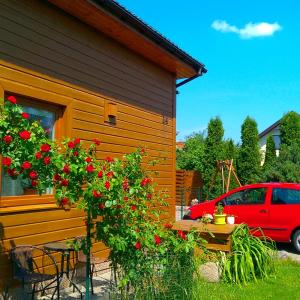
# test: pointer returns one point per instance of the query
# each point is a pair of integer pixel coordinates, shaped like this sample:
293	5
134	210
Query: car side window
234	199
285	196
247	197
254	196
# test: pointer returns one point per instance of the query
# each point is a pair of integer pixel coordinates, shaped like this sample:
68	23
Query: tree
270	156
230	150
191	156
290	128
214	151
249	157
286	167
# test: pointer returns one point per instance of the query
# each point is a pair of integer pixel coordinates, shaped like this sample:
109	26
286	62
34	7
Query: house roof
114	20
269	129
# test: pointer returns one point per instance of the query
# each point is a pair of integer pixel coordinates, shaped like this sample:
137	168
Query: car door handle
263	211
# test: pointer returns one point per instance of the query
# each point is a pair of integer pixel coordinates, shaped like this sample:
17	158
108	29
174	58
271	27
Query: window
247	197
285	196
276	139
48	115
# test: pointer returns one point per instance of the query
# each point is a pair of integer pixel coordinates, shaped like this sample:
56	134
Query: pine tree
249	170
270	156
213	151
290	129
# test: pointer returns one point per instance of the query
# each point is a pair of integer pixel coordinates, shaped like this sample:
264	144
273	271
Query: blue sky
251	75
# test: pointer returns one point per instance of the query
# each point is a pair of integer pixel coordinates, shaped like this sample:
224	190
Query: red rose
90	168
66	169
56	177
7	139
64	201
109	159
11	172
75	153
110	174
25	135
6	161
88	159
97	194
149	196
12	99
76	141
71	145
157	239
45	148
25	115
168	226
182	234
142	150
26	165
38	155
100	174
65	182
33	174
34	182
125	198
101	205
133	207
125	185
104	168
47	160
96	142
137	246
145	181
107	185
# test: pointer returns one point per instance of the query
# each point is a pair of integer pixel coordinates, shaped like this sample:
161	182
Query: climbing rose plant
123	210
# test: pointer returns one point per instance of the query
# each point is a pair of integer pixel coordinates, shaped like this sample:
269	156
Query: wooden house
88	69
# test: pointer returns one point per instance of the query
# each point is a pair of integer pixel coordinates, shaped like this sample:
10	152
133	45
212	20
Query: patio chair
33	265
94	262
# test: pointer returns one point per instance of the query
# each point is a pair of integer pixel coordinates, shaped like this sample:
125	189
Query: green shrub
251	257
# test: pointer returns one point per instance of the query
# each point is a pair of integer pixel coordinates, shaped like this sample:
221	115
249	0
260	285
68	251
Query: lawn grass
284	286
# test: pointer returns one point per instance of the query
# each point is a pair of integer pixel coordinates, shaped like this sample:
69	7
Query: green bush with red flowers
118	194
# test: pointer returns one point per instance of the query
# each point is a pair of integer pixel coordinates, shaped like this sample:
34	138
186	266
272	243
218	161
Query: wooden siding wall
188	186
49	55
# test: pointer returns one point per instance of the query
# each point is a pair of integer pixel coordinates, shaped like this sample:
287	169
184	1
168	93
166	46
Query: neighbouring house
88	69
180	145
274	131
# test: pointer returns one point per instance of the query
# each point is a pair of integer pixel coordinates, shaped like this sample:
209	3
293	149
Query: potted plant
219	216
230	219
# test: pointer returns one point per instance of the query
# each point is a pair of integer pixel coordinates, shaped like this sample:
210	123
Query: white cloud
250	30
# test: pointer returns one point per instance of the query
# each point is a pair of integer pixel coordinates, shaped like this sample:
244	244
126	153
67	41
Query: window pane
20	186
285	196
254	196
234	199
249	196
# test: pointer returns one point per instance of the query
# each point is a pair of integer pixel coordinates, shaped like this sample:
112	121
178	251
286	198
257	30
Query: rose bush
122	207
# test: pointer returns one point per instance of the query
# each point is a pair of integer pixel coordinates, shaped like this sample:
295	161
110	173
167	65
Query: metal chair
94	261
35	266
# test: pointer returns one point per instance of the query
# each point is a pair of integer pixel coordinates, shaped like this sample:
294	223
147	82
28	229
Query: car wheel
186	217
296	240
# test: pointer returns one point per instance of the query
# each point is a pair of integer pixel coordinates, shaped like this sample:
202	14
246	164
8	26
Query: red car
274	207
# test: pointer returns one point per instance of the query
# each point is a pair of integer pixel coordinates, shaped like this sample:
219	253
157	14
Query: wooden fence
188	186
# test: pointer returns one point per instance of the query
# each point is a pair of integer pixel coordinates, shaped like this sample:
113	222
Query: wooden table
218	237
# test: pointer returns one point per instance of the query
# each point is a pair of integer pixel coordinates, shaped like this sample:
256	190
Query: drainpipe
200	73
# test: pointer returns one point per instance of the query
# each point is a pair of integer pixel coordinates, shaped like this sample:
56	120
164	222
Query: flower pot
29	191
230	220
220	219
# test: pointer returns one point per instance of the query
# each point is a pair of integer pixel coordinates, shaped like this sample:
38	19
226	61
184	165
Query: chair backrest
28	259
22	260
